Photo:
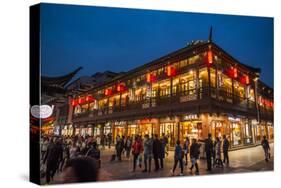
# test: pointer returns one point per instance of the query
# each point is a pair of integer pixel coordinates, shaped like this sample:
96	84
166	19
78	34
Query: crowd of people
78	159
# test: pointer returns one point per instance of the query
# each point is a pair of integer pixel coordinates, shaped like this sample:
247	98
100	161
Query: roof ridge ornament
210	34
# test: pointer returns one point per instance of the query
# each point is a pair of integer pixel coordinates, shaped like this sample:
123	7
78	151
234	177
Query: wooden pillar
197	82
232	88
209	81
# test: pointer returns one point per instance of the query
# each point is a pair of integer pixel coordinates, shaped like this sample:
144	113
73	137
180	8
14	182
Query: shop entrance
119	131
146	128
217	129
236	137
191	129
132	130
170	130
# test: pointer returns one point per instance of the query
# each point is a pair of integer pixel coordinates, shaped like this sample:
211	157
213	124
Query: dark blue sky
100	39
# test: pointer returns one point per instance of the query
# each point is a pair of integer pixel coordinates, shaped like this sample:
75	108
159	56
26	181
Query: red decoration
150	78
171	71
210	57
89	98
121	87
81	100
108	92
73	102
245	79
233	72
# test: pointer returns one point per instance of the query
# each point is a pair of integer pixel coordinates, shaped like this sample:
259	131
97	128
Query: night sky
100	39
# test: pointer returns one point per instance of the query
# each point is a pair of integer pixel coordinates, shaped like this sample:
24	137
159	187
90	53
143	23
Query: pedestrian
178	158
65	154
73	150
128	145
219	162
119	148
109	139
209	151
52	159
156	151
225	148
147	154
98	141
80	169
194	155
186	149
162	152
167	143
94	152
266	148
102	141
136	151
44	146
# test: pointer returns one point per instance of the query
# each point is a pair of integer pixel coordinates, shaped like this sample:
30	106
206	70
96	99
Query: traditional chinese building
193	91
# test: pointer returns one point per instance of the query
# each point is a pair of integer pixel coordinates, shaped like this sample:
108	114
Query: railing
178	97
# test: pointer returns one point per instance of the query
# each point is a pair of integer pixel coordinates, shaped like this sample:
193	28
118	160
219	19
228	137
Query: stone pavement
243	160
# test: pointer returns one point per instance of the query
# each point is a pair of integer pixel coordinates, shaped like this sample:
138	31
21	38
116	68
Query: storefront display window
236	134
191	129
170	130
248	134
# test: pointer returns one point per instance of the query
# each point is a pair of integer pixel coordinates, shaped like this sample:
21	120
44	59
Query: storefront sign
190	117
233	119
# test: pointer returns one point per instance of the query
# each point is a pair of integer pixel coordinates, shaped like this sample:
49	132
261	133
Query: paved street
243	160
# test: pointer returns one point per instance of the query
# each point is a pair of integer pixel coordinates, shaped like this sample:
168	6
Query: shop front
67	130
84	131
119	129
169	127
190	126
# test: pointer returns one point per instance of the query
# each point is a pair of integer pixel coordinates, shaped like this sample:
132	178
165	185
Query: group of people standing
61	153
143	149
213	151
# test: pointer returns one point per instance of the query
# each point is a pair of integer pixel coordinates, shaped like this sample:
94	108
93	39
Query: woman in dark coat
194	154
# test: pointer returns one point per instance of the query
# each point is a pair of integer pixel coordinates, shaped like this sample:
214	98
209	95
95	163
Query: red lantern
245	79
210	57
233	72
107	92
81	100
121	87
150	78
171	71
89	98
73	102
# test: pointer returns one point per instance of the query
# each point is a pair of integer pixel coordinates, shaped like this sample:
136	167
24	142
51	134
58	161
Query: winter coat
137	147
194	150
178	152
209	146
225	146
148	146
156	148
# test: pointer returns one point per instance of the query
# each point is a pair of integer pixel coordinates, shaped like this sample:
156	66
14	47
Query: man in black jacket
53	157
156	151
209	150
225	148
